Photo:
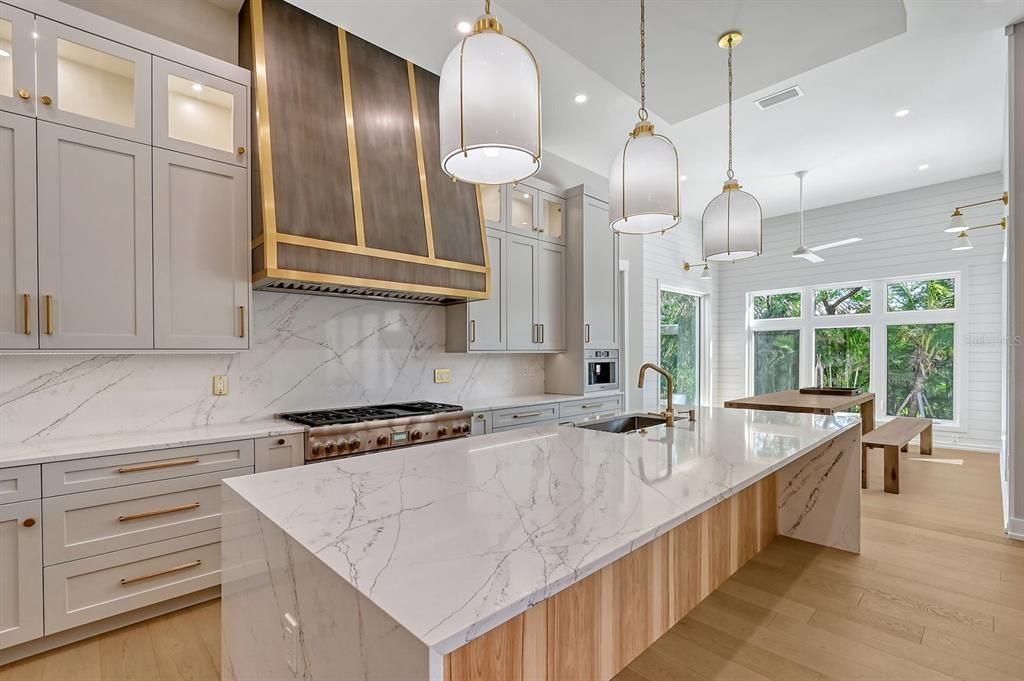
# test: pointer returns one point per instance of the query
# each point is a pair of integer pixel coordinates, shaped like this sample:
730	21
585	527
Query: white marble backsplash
308	352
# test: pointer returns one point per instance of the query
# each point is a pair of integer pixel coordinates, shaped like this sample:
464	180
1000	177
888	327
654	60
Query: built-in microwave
602	370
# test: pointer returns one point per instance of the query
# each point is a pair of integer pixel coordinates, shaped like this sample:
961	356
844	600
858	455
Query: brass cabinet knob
24	94
280	441
29	522
46	99
241	150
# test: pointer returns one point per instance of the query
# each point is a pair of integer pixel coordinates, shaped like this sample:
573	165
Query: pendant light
489	107
645	173
731	226
963	242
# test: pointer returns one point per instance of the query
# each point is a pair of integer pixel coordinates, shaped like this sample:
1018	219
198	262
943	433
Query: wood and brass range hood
348	195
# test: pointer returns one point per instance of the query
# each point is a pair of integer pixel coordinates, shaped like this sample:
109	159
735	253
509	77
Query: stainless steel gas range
333	433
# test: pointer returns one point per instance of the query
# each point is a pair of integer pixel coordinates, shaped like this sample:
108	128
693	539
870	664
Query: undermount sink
630	423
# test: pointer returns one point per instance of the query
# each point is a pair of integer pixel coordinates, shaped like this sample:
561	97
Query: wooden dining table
796	401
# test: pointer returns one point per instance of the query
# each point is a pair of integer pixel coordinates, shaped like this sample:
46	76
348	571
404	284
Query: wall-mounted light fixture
957	221
704	273
963	242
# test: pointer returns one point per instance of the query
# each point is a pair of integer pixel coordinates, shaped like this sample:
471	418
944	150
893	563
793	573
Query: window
919	371
894	337
679	340
776	361
839	301
777	306
925	294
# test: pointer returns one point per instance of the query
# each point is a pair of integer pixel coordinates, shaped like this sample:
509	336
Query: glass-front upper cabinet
199	114
17	61
492	199
551	222
91	83
522	209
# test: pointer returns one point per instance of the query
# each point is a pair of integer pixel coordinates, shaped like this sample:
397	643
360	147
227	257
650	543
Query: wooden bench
893	437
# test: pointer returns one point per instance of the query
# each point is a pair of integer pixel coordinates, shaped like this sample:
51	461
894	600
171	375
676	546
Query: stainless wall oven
602	370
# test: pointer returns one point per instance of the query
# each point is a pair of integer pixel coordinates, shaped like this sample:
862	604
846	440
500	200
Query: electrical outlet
442	375
220	385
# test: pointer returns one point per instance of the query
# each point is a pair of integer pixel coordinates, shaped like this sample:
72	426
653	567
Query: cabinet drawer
93	588
82	475
521	416
19	484
281	451
515	426
91	523
604	406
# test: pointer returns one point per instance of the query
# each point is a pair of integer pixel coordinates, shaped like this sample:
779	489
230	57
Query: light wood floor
937	593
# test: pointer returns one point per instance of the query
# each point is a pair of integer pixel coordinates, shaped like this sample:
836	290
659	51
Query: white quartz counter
45	451
451	539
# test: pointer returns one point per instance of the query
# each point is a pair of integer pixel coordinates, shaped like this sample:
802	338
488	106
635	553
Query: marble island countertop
454	538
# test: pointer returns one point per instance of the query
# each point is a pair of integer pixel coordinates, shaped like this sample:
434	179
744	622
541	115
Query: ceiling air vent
779	97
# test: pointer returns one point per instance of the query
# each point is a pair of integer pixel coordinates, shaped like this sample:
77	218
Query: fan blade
811	257
834	244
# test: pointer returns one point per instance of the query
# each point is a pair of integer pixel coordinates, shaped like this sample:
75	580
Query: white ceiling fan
811	254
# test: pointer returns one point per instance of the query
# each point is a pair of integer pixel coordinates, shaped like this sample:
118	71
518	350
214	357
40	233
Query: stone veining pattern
452	539
308	352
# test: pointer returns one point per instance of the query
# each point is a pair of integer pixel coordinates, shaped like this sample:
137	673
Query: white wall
308	352
663	266
202	25
1014	356
903	235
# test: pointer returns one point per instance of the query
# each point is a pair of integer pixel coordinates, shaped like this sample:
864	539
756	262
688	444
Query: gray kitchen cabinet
200	268
95	240
551	218
550	292
600	268
481	424
92	83
521	296
21	572
493	202
280	451
522	210
481	324
18	68
18	293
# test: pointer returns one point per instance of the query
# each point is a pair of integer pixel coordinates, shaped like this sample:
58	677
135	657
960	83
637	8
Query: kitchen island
544	553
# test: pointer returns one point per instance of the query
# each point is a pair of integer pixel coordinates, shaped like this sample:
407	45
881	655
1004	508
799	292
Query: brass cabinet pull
241	316
280	441
586	328
592	406
46	99
481	417
541	333
241	150
157	464
28	522
526	416
27	299
24	94
151	575
162	511
472	331
49	315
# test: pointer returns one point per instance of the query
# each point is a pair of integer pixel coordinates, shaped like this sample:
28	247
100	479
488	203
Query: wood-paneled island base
547	553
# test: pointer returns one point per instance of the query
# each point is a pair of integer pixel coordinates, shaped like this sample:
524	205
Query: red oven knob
416	435
382	440
353	445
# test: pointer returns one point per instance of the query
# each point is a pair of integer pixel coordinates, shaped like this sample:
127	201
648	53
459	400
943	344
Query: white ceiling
948	68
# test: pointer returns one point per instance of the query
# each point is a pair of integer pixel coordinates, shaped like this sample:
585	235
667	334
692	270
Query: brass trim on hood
428	224
350	128
259	50
325	245
382	284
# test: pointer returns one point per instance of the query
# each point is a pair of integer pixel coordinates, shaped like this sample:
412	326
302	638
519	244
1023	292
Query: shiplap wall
903	235
663	266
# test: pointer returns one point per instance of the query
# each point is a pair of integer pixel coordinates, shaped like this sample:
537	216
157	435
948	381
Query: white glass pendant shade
731	226
489	108
644	183
957	223
963	242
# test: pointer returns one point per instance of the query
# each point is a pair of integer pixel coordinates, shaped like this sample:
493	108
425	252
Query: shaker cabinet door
21	573
551	296
18	323
521	293
17	61
600	273
92	83
200	269
487	317
95	241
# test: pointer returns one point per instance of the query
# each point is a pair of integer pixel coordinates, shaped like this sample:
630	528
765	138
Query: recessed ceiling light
682	178
923	166
196	87
901	113
580	98
464	26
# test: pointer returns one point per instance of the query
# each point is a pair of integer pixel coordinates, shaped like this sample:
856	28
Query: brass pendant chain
643	65
730	173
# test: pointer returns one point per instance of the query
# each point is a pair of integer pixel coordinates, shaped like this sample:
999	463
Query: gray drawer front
521	416
535	424
604	406
20	483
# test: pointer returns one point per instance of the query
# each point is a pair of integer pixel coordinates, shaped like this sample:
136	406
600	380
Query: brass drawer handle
241	315
49	315
161	573
280	441
241	150
526	416
28	522
162	511
24	94
586	328
592	406
472	331
27	299
157	464
46	99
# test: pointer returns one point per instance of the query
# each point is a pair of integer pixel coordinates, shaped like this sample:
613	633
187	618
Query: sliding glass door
680	346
